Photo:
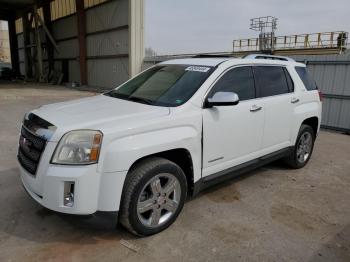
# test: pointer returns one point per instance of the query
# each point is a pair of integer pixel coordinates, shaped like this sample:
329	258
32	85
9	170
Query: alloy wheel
159	199
304	147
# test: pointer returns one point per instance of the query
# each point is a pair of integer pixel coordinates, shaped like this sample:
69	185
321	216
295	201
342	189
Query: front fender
123	152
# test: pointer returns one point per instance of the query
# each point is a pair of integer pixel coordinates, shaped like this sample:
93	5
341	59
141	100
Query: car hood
99	113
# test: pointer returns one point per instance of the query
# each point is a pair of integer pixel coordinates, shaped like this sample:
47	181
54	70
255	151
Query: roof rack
271	57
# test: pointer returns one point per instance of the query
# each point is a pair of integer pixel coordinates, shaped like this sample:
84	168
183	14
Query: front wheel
153	196
303	148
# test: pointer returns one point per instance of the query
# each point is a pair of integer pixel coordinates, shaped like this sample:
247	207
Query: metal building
332	75
98	43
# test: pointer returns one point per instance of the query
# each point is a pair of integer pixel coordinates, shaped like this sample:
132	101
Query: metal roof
9	8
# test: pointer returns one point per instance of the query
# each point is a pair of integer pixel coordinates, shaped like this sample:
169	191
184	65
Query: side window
309	83
239	80
270	80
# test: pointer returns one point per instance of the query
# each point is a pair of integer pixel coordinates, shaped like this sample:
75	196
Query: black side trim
235	171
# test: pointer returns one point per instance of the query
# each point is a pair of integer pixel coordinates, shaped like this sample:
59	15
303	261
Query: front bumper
93	191
86	189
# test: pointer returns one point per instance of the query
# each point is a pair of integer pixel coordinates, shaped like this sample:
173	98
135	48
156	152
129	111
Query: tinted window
164	85
239	80
309	83
271	80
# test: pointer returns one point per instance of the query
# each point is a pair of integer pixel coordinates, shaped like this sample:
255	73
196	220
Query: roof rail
271	57
211	56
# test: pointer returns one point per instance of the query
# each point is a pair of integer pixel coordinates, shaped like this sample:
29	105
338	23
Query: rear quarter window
309	83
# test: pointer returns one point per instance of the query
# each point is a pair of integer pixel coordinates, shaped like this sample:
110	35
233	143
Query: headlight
79	147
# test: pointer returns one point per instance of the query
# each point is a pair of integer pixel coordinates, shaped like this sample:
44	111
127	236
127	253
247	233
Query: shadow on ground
39	224
29	220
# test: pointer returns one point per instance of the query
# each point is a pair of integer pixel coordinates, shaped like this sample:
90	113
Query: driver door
232	134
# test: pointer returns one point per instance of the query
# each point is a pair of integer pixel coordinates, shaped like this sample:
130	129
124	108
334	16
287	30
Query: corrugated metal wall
107	40
107	51
65	27
332	75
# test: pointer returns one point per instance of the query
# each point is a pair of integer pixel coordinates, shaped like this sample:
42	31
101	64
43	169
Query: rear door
275	92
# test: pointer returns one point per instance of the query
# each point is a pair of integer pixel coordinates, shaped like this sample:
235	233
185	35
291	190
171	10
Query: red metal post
13	45
81	21
48	24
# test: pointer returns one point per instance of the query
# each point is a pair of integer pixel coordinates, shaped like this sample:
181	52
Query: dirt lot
271	214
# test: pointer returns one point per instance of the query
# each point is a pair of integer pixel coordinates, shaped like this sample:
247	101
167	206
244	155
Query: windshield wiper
141	100
111	94
130	98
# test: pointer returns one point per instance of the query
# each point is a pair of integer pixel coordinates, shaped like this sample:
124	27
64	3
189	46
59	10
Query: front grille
30	149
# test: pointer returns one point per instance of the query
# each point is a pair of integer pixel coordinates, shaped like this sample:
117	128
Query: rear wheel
153	196
303	148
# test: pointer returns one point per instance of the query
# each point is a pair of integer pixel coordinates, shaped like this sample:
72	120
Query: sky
194	26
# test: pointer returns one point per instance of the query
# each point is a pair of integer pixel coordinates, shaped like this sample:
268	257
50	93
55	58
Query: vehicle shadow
230	182
22	217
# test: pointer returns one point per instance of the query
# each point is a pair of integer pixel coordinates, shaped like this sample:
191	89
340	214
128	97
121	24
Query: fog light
68	198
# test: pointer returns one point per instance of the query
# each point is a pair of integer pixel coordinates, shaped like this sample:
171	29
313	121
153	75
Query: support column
39	56
27	49
13	45
48	24
136	36
82	40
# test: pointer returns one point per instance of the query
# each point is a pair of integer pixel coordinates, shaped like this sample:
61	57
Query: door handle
294	100
255	108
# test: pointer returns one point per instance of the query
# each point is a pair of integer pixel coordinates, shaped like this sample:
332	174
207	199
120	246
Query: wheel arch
313	122
180	156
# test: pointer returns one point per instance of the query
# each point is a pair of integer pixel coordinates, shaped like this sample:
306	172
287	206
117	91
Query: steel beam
330	62
48	24
98	32
81	22
27	50
13	45
39	56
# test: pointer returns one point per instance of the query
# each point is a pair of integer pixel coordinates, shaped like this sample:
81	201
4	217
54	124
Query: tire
295	160
148	204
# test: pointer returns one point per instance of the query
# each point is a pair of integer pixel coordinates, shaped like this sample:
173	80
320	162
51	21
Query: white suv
166	134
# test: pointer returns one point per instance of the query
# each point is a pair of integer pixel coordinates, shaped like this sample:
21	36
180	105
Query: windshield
163	85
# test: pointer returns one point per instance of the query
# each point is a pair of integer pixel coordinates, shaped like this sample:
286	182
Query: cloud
187	26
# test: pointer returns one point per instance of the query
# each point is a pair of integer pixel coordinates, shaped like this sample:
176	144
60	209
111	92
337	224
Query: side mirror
222	99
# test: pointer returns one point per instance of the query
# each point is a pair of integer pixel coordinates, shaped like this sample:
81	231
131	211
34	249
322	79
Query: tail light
320	95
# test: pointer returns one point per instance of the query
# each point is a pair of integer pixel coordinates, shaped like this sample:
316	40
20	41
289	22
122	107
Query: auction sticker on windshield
202	69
